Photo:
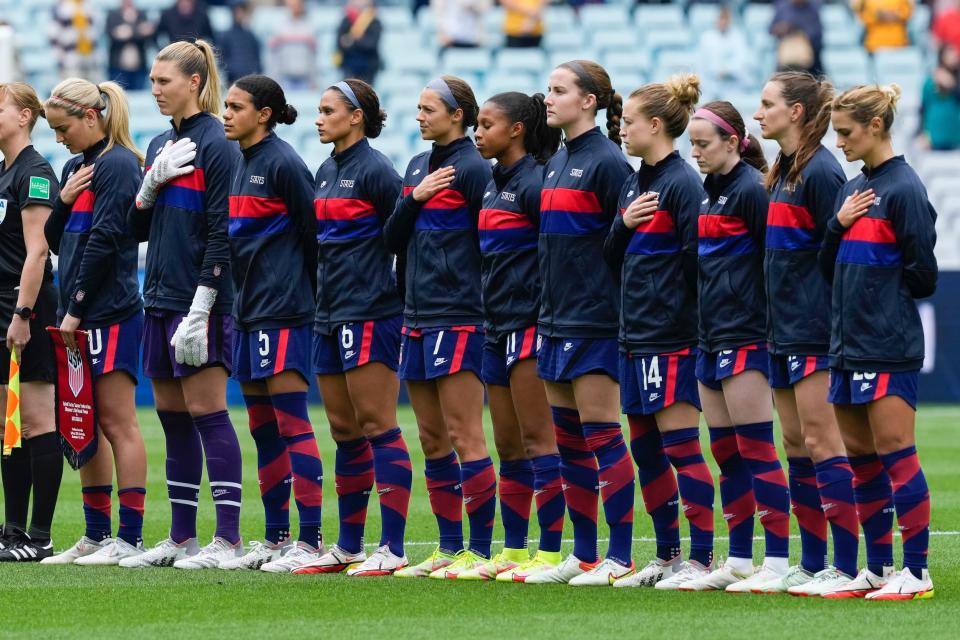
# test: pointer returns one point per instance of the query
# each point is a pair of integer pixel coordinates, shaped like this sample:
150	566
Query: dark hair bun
288	115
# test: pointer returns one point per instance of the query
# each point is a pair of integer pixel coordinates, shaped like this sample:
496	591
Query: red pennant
76	414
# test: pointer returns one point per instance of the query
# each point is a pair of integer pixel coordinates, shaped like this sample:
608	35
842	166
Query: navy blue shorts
159	360
262	353
862	387
428	354
355	344
566	359
714	367
116	347
786	371
649	384
500	356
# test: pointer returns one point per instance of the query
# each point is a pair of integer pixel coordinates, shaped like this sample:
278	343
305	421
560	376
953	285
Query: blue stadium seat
463	61
670	61
757	17
559	57
671	39
413	60
564	40
395	18
847	66
702	17
628	62
531	61
557	17
836	16
659	16
401	84
624	82
399	43
599	17
620	40
904	66
522	82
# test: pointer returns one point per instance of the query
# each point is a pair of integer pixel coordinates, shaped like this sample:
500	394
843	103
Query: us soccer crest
75	371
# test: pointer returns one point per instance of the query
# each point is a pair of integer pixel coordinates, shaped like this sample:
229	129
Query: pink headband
706	114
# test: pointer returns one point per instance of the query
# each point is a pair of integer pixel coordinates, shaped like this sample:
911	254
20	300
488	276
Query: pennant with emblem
75	409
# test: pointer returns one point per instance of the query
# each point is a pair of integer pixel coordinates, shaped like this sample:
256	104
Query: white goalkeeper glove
172	161
190	339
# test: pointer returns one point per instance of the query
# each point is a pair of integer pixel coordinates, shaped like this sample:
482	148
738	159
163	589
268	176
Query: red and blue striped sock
682	447
835	481
184	466
769	485
131	514
736	490
807	507
873	493
273	467
446	499
224	471
911	497
578	471
548	492
617	486
305	464
354	482
516	495
480	499
658	485
96	512
394	476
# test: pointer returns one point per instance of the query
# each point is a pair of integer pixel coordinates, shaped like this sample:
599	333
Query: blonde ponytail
75	96
197	58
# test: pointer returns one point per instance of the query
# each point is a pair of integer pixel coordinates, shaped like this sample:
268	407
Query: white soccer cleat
110	553
210	556
748	584
563	573
381	562
655	571
823	582
865	582
260	554
717	580
335	560
164	554
83	547
296	556
905	586
690	570
604	574
794	577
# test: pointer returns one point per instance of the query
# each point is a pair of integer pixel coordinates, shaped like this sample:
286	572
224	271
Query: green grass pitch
74	602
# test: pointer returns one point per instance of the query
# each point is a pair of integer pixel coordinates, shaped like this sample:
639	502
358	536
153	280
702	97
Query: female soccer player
28	304
512	128
100	294
273	251
579	318
356	341
878	253
434	229
652	248
181	210
732	363
803	185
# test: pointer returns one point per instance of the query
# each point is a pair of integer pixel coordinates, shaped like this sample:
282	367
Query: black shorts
37	362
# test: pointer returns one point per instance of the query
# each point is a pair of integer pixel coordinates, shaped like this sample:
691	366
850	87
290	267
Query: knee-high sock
835	481
617	486
548	492
354	479
682	446
273	467
578	470
46	471
296	430
480	500
16	488
658	485
224	471
911	497
131	514
184	466
736	490
446	499
805	499
96	512
516	496
769	485
873	492
394	476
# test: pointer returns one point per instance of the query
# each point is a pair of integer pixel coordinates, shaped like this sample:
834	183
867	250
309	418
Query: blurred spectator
293	50
721	74
358	41
129	32
186	20
239	47
9	70
460	22
796	25
523	22
940	103
946	25
73	36
884	22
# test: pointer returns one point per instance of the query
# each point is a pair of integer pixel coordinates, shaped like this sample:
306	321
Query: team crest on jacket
75	371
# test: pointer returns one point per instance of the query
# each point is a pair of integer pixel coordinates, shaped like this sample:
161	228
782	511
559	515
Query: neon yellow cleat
504	561
465	561
542	561
436	560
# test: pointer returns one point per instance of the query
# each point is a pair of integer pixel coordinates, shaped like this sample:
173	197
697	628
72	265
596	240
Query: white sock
780	565
741	565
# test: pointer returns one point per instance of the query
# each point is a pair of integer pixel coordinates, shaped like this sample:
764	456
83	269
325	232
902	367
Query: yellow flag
11	429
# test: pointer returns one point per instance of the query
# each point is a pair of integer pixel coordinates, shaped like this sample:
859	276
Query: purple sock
184	471
224	469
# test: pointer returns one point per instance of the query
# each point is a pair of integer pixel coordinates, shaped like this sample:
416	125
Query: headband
348	92
586	80
441	87
706	114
